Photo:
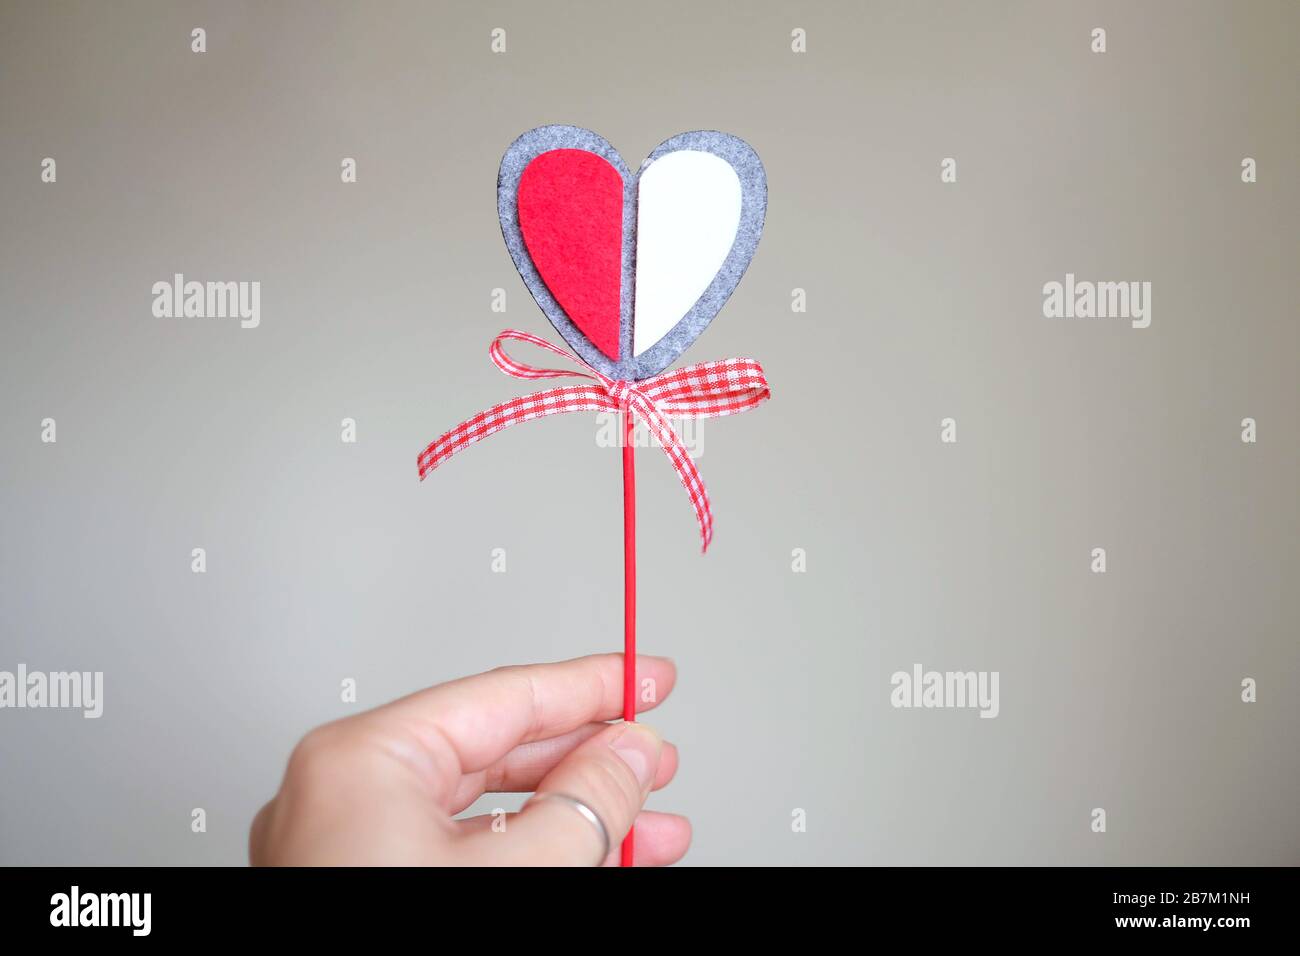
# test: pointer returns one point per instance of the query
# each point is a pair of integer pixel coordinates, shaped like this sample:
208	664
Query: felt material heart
688	210
630	269
571	216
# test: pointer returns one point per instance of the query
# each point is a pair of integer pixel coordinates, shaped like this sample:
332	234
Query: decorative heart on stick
630	269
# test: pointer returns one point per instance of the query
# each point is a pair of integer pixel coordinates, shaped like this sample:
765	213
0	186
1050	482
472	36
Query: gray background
328	560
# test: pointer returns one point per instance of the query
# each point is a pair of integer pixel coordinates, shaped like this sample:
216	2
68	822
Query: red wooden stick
629	596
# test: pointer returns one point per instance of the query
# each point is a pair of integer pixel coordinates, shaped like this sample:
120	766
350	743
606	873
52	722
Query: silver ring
588	814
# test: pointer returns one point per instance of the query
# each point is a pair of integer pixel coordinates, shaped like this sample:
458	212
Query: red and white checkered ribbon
707	390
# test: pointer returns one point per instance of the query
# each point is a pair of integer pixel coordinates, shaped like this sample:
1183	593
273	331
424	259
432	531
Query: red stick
629	596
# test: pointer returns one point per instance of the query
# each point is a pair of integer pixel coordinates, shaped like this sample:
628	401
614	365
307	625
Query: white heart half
688	212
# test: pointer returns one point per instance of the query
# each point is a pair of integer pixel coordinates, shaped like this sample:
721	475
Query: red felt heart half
571	217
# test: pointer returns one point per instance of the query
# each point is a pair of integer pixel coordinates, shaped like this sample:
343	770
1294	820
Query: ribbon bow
707	390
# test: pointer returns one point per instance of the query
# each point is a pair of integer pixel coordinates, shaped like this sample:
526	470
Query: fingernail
638	747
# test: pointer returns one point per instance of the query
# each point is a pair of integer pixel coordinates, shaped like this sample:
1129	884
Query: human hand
380	788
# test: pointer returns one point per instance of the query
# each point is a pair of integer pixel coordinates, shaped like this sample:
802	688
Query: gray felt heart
571	212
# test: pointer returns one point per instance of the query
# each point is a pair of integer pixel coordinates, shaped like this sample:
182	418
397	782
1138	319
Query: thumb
611	774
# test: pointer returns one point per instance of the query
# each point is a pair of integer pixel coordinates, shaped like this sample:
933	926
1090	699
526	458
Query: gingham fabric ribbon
707	390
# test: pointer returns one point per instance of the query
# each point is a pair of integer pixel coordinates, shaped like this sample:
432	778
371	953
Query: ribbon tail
554	401
664	433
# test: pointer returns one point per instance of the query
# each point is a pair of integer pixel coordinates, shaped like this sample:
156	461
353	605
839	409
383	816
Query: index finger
475	721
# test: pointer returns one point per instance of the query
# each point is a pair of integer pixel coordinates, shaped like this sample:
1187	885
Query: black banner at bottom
1165	905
